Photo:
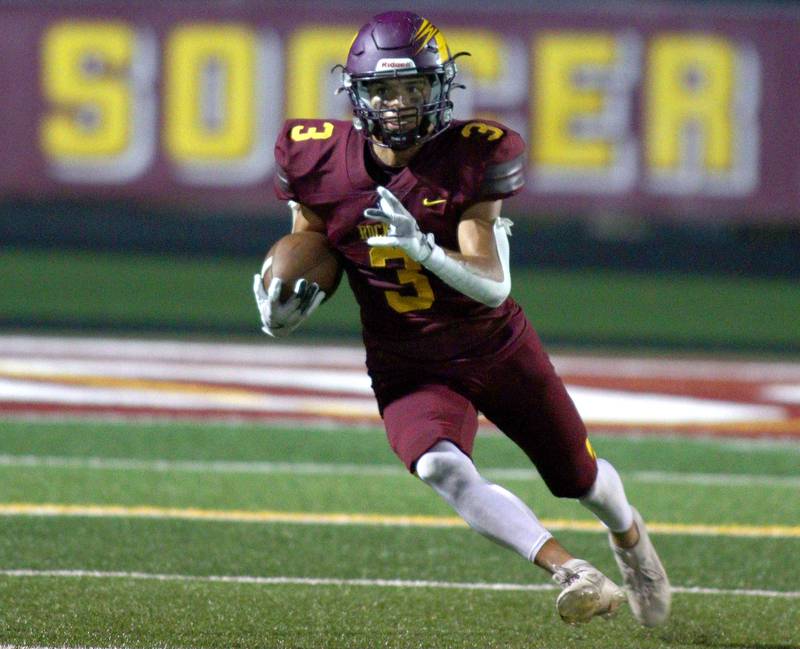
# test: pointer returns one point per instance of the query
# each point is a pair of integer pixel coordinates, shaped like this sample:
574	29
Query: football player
411	198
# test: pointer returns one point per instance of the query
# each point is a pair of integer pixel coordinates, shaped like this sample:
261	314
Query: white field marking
58	510
382	583
745	445
760	445
194	466
330	379
784	393
670	368
781	445
233	353
597	406
271	352
330	424
713	479
62	646
345	469
155	375
184	396
65	646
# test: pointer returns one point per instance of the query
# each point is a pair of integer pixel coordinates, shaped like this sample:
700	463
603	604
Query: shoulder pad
503	177
301	149
496	155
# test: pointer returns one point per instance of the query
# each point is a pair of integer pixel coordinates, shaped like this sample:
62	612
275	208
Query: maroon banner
652	110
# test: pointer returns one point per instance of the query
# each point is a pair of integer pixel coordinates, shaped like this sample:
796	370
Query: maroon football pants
518	390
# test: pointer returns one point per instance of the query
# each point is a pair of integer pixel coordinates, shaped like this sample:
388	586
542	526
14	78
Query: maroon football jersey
404	307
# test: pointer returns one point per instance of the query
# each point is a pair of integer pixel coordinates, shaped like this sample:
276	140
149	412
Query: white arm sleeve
461	278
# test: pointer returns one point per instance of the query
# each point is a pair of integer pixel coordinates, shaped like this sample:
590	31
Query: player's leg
606	499
534	409
432	430
502	517
487	508
643	574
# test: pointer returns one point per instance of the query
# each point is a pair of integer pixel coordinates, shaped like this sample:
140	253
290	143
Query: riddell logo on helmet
394	64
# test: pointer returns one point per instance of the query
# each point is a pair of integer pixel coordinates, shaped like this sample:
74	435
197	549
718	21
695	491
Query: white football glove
278	318
404	233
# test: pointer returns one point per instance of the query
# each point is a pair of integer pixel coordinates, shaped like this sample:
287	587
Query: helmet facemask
399	47
416	121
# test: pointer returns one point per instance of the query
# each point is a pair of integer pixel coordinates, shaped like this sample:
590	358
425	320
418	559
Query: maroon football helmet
400	45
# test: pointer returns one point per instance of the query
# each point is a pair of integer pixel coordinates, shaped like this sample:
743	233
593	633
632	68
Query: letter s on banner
97	81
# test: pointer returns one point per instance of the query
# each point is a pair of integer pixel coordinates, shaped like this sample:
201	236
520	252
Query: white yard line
758	445
379	583
61	646
345	469
713	479
193	466
781	445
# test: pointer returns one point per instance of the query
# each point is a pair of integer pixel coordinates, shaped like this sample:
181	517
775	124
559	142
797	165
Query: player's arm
304	220
278	318
479	270
479	242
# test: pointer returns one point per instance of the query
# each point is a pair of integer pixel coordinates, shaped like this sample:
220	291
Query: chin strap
458	275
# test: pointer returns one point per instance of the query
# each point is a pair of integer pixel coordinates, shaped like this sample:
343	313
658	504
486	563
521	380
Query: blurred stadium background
664	162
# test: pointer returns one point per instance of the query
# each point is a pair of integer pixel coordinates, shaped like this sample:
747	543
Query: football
304	255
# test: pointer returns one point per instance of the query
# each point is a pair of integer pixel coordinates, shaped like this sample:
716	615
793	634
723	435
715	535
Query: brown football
304	255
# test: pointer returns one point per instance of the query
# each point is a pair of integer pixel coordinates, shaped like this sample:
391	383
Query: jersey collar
400	184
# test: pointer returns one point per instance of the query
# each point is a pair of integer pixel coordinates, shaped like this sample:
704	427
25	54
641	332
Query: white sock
487	508
606	499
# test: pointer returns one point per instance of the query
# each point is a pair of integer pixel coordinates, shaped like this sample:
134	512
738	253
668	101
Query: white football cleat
645	579
586	592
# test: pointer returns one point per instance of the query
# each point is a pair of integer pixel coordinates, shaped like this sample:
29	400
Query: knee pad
445	465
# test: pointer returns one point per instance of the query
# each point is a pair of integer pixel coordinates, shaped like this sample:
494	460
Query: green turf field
214	536
134	293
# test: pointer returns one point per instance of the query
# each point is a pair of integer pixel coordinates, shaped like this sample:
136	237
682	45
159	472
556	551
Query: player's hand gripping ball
299	272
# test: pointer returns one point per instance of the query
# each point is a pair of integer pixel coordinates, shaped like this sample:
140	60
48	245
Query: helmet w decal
400	45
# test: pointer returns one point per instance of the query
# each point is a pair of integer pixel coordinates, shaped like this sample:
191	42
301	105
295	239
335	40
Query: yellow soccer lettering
690	81
564	63
701	115
492	72
312	51
85	71
583	86
98	82
210	111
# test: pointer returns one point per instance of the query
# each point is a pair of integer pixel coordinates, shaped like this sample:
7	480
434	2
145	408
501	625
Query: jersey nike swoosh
427	202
